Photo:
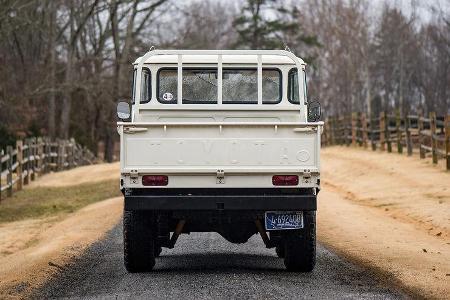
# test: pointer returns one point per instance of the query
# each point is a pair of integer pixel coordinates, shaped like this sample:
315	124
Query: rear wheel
280	251
300	245
158	251
138	241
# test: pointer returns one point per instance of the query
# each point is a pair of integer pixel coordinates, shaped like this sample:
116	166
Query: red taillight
155	180
285	179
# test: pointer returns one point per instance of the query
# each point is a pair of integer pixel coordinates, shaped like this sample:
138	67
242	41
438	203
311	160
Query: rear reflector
285	180
155	180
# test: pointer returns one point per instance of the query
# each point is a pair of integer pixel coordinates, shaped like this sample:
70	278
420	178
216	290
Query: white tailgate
197	148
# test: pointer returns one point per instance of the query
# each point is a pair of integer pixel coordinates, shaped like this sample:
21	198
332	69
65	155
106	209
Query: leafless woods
64	64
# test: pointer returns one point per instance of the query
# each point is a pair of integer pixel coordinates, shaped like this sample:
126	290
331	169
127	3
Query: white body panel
193	143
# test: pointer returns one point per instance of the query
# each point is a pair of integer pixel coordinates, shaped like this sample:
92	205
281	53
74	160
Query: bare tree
136	17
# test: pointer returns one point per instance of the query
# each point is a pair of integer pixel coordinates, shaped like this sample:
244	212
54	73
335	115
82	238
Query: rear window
239	86
199	86
167	86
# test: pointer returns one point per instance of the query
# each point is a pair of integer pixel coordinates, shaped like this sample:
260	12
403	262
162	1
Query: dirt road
206	266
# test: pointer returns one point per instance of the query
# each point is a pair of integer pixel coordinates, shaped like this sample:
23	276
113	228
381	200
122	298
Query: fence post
47	150
1	170
337	124
364	129
33	156
329	137
447	140
372	133
19	147
433	138
39	155
331	130
420	127
338	130
382	131
26	165
345	128
398	123
72	149
348	132
387	133
9	163
353	123
409	146
58	155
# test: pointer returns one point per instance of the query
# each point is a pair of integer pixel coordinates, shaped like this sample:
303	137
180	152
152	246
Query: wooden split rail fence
430	135
36	156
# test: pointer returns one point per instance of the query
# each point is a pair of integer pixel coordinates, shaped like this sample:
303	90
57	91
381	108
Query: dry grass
39	202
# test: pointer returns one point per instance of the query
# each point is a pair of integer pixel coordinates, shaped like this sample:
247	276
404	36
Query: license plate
283	220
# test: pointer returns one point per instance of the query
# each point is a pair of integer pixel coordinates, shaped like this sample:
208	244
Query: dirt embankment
32	250
85	174
389	212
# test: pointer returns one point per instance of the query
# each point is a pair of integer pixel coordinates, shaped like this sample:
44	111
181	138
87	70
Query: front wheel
300	245
138	241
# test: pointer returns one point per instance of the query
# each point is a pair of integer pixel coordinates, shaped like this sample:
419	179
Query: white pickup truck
219	141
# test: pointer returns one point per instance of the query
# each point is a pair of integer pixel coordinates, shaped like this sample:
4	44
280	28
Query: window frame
224	69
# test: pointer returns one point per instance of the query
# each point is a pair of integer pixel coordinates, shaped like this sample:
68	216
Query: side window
167	85
133	90
146	87
293	86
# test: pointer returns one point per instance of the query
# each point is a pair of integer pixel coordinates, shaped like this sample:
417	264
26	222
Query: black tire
138	241
300	245
280	250
158	250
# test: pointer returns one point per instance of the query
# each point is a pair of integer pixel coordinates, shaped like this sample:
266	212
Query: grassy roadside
38	202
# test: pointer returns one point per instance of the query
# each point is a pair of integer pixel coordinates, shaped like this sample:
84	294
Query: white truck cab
219	141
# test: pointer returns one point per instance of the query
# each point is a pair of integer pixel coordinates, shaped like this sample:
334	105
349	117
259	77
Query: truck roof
213	59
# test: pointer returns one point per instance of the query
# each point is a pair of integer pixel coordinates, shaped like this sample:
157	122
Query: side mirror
123	110
314	111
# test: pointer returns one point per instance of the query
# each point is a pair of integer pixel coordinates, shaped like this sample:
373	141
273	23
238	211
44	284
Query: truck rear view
220	141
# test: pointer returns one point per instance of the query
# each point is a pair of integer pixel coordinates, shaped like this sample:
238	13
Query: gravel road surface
205	266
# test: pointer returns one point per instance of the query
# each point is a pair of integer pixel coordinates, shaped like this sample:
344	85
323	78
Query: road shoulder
416	261
27	269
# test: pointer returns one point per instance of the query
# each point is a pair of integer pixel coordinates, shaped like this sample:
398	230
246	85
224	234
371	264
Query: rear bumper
220	199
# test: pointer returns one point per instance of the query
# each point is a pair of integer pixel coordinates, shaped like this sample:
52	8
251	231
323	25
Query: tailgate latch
306	176
134	176
220	177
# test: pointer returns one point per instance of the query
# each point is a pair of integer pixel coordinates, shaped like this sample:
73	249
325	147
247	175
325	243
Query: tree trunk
52	50
67	98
